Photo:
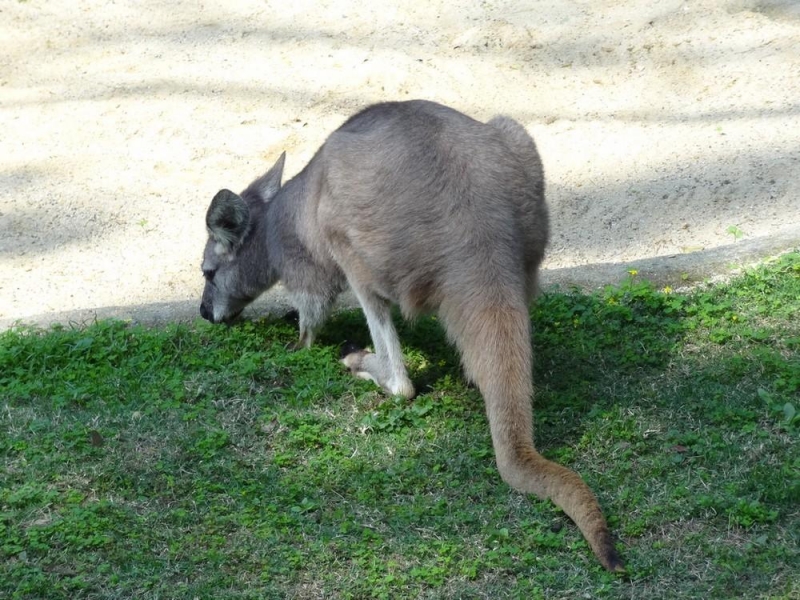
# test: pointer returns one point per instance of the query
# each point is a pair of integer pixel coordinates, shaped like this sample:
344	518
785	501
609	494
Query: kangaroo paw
366	365
354	358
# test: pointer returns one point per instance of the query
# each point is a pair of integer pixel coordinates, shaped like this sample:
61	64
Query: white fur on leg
386	365
401	387
367	365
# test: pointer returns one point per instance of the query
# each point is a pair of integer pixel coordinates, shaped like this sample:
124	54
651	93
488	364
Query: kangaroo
417	205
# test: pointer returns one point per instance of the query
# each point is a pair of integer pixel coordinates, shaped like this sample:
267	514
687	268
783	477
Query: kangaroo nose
205	313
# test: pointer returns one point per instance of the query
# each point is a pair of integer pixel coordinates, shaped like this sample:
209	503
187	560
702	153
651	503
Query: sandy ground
663	126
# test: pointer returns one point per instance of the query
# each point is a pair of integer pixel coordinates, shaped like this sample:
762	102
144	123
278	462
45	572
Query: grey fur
228	219
395	201
413	204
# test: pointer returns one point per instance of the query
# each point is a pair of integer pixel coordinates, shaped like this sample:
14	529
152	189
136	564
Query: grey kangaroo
413	204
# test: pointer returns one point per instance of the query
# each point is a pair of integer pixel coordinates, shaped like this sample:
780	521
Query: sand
669	131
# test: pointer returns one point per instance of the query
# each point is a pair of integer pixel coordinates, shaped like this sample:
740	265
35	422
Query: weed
735	232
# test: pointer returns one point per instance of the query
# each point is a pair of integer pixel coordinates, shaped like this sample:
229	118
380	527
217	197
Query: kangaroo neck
285	214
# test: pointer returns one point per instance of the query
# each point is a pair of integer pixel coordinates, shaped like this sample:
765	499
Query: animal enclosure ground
663	126
194	461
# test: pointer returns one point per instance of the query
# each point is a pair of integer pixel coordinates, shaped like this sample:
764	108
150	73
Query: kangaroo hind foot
367	365
385	366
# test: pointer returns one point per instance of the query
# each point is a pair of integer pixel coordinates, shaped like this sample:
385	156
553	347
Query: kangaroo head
236	264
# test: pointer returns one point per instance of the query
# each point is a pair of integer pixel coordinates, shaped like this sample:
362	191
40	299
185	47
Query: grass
194	461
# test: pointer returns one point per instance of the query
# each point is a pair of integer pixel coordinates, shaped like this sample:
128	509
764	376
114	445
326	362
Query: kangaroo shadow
581	342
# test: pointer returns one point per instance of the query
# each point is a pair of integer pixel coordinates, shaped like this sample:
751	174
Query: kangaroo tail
494	341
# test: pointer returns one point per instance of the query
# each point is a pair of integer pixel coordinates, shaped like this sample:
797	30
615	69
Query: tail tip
611	561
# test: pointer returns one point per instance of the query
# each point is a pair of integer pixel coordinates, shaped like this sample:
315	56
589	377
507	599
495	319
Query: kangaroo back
418	198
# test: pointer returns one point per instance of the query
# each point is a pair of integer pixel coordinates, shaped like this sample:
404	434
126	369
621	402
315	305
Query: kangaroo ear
227	219
269	184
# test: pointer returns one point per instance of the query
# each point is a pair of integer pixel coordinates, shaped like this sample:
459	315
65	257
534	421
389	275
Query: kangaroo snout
205	313
228	319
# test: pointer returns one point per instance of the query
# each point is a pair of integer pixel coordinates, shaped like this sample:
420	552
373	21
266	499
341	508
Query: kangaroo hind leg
385	366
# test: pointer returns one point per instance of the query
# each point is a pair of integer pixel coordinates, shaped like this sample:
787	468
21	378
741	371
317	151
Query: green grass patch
194	461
